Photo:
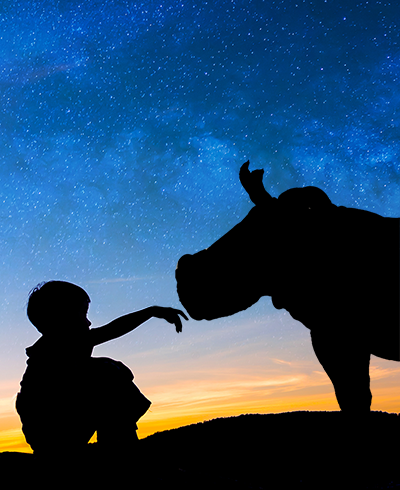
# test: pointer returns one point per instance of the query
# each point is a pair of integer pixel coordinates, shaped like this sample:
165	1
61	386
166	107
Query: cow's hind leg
346	362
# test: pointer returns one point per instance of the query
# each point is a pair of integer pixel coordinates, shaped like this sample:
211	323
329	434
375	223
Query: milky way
124	125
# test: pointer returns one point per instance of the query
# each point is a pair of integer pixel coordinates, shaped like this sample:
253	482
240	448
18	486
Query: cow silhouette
334	269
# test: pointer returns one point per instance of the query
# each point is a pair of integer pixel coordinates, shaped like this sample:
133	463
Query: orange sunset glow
212	386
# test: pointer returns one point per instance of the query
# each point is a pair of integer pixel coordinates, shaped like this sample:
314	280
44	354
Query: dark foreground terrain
295	450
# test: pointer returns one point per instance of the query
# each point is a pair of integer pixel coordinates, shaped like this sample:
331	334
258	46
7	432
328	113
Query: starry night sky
123	128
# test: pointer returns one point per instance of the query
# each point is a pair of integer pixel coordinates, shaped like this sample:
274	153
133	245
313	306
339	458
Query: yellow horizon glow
198	396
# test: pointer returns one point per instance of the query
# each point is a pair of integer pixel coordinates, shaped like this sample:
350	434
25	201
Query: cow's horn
253	185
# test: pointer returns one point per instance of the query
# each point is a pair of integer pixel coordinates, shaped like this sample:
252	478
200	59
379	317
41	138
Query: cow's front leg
346	362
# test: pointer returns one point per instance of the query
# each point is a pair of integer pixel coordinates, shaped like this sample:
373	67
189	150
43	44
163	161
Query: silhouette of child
66	394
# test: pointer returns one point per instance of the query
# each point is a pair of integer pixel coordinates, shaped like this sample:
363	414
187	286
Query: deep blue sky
124	124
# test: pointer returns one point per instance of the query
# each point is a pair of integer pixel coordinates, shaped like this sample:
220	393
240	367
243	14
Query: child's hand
170	315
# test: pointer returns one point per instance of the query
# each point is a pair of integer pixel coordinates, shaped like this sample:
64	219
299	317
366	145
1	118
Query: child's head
54	302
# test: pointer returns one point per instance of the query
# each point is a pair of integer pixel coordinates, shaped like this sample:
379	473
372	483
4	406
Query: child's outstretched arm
124	324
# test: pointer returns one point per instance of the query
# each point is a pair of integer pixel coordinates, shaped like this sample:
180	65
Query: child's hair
51	300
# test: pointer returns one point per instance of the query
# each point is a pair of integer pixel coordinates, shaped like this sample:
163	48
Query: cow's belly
383	332
383	321
385	343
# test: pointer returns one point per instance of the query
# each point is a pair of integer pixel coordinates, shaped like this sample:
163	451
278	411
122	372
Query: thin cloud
281	361
123	279
377	372
189	393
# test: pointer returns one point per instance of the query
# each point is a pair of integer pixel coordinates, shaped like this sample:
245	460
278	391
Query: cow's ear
304	199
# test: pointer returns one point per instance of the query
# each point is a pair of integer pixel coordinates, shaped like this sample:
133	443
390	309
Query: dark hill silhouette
296	450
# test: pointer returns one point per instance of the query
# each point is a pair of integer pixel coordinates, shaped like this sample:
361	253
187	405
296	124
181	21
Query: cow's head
244	264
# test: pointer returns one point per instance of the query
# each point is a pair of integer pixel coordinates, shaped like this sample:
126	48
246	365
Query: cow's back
344	276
